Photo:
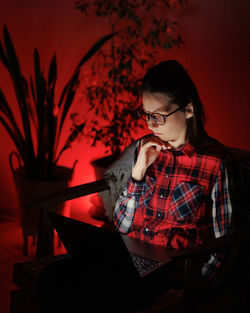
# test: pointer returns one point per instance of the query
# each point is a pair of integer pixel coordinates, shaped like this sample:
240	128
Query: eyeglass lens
156	117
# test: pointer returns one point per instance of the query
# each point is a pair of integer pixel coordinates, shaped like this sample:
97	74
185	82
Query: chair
231	295
197	295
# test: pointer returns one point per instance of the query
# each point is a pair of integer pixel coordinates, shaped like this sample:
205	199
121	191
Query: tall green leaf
69	90
72	136
3	57
20	84
20	144
4	107
52	75
33	96
51	114
42	102
40	89
97	46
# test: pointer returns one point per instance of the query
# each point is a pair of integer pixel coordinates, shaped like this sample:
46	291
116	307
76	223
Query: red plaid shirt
183	200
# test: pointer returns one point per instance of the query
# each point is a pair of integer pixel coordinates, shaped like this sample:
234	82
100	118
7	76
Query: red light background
216	54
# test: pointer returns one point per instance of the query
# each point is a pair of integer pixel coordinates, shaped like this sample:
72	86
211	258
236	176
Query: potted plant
144	32
42	118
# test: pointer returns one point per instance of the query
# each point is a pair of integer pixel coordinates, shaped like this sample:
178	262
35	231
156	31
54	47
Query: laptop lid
101	245
94	243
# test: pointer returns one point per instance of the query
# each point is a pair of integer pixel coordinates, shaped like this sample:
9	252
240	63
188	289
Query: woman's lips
157	134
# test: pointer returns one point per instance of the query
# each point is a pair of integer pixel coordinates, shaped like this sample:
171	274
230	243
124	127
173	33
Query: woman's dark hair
170	78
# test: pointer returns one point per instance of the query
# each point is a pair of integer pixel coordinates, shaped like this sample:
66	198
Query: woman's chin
161	136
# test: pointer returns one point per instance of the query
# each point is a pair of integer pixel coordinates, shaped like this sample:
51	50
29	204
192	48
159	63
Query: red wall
216	54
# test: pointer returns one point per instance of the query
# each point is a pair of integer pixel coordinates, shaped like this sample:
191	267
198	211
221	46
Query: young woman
176	195
178	192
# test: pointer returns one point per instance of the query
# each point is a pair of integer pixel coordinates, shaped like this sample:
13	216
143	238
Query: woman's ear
189	110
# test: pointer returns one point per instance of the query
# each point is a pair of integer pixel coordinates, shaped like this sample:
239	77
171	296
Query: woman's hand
149	150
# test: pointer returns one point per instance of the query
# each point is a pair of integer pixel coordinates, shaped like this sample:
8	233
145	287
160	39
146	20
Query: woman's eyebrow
157	110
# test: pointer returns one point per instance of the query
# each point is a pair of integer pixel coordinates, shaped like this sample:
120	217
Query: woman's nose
151	124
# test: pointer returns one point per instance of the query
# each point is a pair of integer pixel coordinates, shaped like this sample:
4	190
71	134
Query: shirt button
146	229
158	214
166	175
161	196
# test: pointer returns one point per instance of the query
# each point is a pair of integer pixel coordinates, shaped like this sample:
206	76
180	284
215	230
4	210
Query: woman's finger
152	143
154	140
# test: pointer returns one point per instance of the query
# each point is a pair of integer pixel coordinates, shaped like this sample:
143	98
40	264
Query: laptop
99	244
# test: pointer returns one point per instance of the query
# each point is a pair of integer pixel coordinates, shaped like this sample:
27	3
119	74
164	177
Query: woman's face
175	127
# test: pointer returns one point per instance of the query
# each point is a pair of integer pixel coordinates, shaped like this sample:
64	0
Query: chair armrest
45	229
232	240
70	193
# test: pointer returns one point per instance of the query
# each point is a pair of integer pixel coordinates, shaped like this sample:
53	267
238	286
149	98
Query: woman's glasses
156	118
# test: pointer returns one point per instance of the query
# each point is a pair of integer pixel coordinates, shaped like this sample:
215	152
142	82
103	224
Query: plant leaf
52	76
5	108
3	57
20	85
33	90
40	108
72	136
20	145
94	49
70	88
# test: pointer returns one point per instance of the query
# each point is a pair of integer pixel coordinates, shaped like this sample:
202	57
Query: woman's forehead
156	101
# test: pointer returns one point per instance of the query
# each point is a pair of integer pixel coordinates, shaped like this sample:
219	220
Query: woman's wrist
138	173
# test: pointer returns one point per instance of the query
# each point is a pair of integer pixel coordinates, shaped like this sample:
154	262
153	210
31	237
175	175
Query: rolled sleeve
222	214
129	200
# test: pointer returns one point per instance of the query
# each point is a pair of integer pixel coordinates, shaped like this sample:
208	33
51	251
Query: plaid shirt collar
186	149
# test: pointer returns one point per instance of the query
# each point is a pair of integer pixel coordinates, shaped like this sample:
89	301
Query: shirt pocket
185	201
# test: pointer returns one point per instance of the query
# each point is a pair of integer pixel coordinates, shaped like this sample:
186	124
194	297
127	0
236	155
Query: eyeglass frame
149	115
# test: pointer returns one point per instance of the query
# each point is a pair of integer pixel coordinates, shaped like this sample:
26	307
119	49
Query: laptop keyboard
144	264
